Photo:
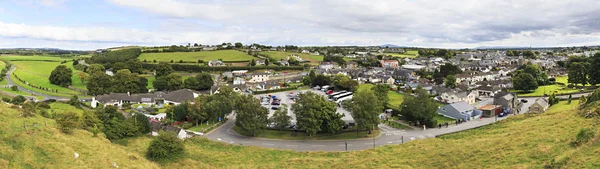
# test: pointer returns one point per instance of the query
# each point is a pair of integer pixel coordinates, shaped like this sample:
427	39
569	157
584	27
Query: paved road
46	97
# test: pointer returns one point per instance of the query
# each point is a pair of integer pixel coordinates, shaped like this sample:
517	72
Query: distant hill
502	47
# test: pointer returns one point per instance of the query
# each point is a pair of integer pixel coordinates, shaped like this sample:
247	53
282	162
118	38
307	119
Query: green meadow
225	55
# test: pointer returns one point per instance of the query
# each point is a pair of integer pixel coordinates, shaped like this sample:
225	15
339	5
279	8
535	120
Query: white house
454	97
239	81
259	77
156	98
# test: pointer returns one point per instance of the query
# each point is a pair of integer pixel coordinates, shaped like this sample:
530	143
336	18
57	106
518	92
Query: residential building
214	63
259	77
239	81
459	110
509	101
351	65
156	98
326	65
458	96
539	106
389	64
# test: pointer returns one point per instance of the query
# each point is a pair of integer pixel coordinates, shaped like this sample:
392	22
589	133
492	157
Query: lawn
396	125
37	73
548	89
314	59
395	98
289	135
442	119
225	55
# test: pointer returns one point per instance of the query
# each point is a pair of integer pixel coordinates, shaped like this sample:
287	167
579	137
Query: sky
96	24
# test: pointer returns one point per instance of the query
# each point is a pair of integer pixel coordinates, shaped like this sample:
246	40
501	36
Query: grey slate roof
462	106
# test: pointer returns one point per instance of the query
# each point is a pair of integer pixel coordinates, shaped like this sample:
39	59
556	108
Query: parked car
275	103
275	108
524	100
329	92
501	115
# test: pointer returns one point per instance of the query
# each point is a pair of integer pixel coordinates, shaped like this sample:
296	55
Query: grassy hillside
523	141
226	55
46	147
37	73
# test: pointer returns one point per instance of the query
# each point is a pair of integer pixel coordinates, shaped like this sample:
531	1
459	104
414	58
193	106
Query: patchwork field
548	89
283	55
225	55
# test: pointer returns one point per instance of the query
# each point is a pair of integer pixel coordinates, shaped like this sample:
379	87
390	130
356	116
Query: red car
329	91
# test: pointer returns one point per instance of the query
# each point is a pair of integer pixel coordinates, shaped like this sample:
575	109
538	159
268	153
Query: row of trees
116	56
444	53
528	77
206	107
582	70
171	82
122	82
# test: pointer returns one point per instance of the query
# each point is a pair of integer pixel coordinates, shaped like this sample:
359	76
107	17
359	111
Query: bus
336	98
324	88
344	99
336	94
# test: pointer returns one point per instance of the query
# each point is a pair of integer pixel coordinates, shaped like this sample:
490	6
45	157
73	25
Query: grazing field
37	73
412	52
225	55
61	108
521	141
35	58
277	55
400	55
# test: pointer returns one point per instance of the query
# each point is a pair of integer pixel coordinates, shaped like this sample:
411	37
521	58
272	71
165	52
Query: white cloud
426	23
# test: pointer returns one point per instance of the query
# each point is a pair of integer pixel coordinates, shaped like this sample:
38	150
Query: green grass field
288	135
61	108
395	98
400	55
226	55
548	89
34	58
37	73
313	59
522	141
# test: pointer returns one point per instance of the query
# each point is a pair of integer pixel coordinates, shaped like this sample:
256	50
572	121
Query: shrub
6	99
67	122
43	105
14	88
583	136
165	147
18	100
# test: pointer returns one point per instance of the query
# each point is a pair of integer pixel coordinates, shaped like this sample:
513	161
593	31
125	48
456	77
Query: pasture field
548	89
35	58
225	55
37	73
277	55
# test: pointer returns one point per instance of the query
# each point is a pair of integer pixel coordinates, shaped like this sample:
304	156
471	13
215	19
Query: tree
179	112
14	88
437	77
528	54
61	75
174	82
89	120
119	66
343	82
250	115
314	113
114	124
449	69
280	118
74	101
552	100
142	123
524	81
67	122
582	100
134	66
205	81
381	92
99	84
18	100
83	77
450	81
594	74
164	69
160	83
93	68
536	72
191	83
252	63
321	80
366	108
419	108
165	147
238	45
578	73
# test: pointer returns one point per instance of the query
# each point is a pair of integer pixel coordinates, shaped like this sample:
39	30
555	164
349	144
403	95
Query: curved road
46	97
389	135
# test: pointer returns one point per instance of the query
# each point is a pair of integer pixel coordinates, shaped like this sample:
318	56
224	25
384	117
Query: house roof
542	102
462	106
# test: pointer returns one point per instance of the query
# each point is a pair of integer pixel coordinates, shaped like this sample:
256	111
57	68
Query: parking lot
286	100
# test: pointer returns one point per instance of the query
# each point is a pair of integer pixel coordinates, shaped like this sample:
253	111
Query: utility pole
346	145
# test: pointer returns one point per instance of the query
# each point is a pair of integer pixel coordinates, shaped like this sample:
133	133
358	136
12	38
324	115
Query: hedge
198	68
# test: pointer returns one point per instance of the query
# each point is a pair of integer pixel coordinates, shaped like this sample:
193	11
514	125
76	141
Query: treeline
444	53
173	48
198	68
122	82
116	56
4	70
